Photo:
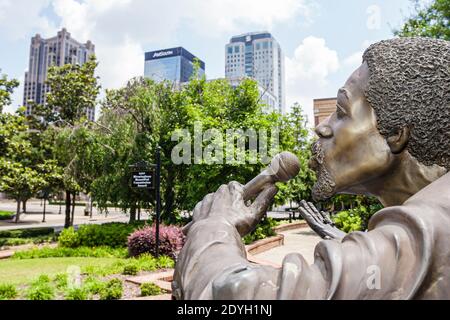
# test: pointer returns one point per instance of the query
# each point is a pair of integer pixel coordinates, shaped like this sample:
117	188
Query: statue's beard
325	187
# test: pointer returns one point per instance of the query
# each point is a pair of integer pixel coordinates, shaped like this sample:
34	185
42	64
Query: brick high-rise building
323	108
44	53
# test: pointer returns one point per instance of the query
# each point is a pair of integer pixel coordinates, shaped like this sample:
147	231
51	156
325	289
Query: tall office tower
259	56
44	53
175	64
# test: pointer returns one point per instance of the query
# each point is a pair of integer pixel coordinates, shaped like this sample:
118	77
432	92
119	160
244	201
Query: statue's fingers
307	208
314	209
319	217
236	190
326	217
262	202
206	204
197	211
308	217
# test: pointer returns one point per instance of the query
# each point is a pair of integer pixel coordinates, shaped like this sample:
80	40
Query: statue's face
350	153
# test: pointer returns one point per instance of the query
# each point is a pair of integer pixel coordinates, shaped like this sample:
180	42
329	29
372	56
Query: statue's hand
228	203
320	222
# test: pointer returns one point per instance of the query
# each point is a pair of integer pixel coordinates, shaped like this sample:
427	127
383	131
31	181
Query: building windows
230	50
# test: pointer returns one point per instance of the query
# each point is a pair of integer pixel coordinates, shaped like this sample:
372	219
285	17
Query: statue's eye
340	111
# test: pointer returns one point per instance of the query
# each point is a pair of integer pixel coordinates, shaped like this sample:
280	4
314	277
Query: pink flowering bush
171	240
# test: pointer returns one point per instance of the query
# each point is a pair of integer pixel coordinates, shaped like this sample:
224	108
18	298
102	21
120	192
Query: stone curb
290	226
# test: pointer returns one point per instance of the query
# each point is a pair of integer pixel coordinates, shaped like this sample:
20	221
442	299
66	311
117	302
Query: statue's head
396	103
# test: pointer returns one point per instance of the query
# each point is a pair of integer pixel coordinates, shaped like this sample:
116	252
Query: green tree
432	20
6	89
144	114
19	179
73	90
295	137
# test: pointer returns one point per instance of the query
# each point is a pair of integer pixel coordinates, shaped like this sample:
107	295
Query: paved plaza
302	240
33	217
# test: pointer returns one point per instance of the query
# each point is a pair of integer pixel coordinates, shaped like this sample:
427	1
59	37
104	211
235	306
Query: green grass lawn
22	271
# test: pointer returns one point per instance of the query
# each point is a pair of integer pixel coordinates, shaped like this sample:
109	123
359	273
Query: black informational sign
143	179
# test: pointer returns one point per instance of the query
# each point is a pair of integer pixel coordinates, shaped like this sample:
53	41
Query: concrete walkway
33	217
302	240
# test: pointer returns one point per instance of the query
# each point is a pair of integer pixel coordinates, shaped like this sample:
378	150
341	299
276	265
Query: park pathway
302	240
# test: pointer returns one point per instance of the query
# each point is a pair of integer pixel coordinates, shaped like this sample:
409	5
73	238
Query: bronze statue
389	138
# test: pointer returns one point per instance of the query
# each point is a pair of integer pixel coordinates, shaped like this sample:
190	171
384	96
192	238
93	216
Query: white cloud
121	64
307	73
354	60
217	16
18	18
123	29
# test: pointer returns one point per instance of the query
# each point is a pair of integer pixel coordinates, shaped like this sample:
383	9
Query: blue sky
323	40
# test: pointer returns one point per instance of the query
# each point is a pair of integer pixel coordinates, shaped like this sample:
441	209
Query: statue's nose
324	131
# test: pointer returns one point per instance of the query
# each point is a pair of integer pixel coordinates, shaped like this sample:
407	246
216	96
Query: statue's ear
398	141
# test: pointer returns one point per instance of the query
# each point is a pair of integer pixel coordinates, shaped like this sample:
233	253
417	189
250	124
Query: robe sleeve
388	262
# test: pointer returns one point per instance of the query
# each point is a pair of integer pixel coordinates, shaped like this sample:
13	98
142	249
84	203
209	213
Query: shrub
41	289
60	280
6	215
263	230
110	234
7	292
27	233
348	220
93	285
60	252
144	241
77	294
43	279
130	269
69	238
165	262
113	290
150	289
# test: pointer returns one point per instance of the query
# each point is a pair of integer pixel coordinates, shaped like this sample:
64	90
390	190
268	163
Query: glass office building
175	64
259	56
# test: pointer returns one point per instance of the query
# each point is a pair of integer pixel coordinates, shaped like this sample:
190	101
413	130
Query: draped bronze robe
407	249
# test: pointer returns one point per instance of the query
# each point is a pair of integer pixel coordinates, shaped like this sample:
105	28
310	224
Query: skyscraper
174	64
44	53
259	56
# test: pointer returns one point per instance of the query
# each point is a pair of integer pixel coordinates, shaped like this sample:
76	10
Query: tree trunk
90	208
132	213
16	220
24	206
68	202
169	195
43	218
139	212
74	196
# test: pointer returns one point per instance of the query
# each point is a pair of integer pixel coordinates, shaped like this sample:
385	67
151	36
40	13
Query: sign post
144	177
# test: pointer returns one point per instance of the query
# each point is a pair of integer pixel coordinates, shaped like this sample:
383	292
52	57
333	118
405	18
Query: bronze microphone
283	167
